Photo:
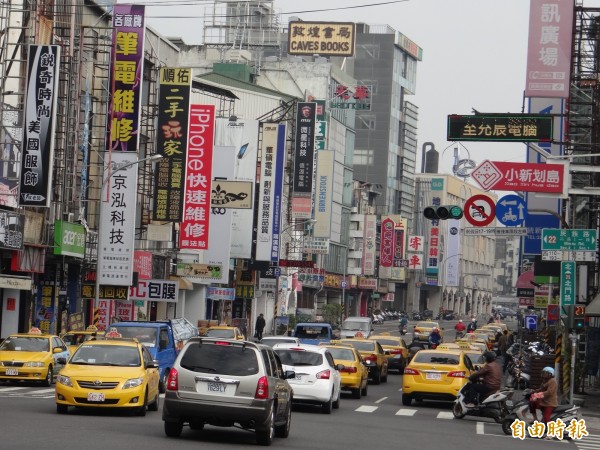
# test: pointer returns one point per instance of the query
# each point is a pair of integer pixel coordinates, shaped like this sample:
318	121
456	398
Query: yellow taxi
435	375
224	332
474	353
32	356
423	329
373	356
487	336
473	342
74	338
109	373
355	375
395	350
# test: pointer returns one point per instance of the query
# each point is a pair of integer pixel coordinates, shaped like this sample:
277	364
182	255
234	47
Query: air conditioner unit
354	210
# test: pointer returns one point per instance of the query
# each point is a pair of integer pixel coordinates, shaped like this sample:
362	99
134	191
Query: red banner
142	264
388	244
196	208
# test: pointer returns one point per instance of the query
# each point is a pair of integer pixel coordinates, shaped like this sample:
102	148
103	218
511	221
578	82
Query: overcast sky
474	56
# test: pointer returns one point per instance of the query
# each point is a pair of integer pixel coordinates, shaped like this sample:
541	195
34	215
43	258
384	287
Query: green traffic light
456	212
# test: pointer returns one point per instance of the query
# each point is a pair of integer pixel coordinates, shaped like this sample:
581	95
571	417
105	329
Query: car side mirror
61	360
153	365
57	350
339	367
289	374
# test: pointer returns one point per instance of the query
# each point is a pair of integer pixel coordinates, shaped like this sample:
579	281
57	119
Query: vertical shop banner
433	251
45	315
386	247
243	135
194	229
125	89
452	260
398	268
304	160
270	192
171	142
220	218
41	92
324	198
549	48
116	235
369	250
142	264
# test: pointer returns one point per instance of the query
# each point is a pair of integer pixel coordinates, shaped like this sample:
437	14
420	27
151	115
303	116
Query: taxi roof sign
92	328
113	334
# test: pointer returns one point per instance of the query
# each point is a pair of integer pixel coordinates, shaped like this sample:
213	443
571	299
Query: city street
376	421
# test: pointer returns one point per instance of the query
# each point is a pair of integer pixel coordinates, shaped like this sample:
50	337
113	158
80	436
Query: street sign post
526	177
565	255
531	322
494	231
567	283
480	210
511	210
573	240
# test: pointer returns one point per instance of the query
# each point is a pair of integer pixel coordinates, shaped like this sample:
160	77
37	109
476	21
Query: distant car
32	356
228	383
74	338
317	377
395	350
109	373
373	355
272	340
423	329
355	375
224	332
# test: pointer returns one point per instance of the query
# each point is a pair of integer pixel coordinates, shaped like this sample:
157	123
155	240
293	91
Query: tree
332	313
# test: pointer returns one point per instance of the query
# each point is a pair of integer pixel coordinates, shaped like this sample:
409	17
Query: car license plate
216	387
433	376
95	397
12	372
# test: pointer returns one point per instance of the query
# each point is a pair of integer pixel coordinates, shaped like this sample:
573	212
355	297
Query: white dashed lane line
381	400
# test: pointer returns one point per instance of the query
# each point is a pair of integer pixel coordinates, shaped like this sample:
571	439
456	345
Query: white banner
243	136
155	291
220	219
451	260
116	236
324	193
369	250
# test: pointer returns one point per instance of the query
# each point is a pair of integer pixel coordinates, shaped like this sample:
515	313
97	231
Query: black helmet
489	357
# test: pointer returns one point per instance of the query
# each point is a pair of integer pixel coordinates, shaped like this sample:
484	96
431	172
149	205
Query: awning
593	309
184	283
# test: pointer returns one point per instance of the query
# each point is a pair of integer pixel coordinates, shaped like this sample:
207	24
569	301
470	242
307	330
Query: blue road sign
531	322
535	223
511	210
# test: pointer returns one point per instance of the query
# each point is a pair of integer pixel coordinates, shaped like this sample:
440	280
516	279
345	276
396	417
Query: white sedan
317	376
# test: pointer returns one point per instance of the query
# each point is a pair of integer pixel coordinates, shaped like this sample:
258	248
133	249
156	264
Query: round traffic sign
511	210
480	210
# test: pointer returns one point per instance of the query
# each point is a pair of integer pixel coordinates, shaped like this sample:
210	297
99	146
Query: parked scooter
519	411
493	405
517	377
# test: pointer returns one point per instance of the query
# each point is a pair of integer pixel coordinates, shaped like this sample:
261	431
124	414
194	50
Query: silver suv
224	382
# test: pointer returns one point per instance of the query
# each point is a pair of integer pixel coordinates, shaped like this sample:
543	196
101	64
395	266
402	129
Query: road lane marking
380	400
6	389
479	428
44	391
366	409
445	415
406	412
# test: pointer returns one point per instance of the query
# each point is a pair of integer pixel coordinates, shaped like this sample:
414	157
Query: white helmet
460	320
473	319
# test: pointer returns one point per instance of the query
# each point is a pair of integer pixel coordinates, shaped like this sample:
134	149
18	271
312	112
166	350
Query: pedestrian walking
259	327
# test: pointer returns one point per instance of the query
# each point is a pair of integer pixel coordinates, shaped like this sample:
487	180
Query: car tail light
409	371
372	358
457	374
396	352
222	343
172	380
324	375
349	370
262	388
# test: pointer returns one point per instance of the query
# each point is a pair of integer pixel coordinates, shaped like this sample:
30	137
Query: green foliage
332	313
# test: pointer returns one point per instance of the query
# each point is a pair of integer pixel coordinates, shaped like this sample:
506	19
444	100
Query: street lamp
154	158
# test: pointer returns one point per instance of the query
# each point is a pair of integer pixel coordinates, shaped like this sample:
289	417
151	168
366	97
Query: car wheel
357	393
458	411
406	400
61	409
173	429
365	389
155	404
336	404
49	377
265	435
283	430
141	411
377	377
327	406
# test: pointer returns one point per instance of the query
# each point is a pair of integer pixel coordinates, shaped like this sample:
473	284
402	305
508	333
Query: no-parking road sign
480	210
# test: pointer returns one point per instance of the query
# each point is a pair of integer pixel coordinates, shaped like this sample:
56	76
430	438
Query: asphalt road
378	421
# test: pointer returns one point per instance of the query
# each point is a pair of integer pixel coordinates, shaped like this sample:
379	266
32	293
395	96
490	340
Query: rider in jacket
491	373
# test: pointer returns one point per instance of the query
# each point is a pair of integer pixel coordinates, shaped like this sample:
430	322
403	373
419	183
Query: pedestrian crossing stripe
406	412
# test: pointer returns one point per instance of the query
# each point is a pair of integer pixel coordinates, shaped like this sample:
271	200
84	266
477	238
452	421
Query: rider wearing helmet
460	327
435	338
472	326
491	374
547	397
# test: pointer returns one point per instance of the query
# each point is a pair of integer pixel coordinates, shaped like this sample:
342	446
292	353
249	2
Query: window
363	157
299	358
235	360
268	363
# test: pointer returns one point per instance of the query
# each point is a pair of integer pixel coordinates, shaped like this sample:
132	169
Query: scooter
493	405
403	330
566	413
517	378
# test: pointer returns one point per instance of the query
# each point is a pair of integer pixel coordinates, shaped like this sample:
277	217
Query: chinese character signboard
41	92
209	272
387	248
126	70
271	192
397	271
350	97
303	160
415	252
433	252
142	264
117	220
220	293
567	283
500	128
323	38
369	248
150	290
12	227
513	176
193	232
69	239
172	142
549	49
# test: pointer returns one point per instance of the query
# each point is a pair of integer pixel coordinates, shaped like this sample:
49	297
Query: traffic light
443	212
576	314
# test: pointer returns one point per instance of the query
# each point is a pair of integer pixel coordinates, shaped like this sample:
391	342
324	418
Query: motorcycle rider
472	326
547	398
403	323
435	338
491	373
460	328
